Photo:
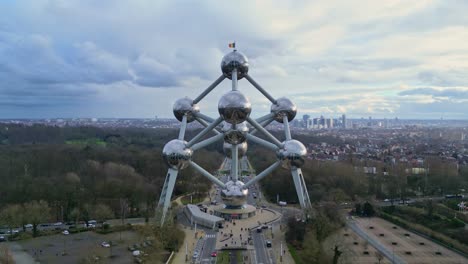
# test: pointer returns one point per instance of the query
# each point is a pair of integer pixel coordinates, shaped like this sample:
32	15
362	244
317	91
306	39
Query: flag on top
232	45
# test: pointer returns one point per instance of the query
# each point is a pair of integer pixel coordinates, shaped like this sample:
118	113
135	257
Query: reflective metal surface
176	155
234	107
235	60
235	134
233	196
185	106
284	107
292	154
241	149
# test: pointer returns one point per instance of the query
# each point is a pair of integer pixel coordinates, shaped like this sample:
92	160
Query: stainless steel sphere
234	107
284	107
234	196
185	106
235	134
235	60
241	149
292	154
176	154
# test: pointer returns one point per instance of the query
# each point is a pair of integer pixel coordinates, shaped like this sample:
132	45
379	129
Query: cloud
119	58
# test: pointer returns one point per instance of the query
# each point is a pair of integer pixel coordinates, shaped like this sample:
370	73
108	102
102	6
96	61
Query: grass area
85	142
293	252
195	199
223	257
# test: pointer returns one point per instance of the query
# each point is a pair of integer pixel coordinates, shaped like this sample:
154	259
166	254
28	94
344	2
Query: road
382	249
208	248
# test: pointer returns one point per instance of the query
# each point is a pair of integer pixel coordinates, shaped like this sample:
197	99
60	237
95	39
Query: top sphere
283	107
292	154
234	107
235	60
185	106
176	154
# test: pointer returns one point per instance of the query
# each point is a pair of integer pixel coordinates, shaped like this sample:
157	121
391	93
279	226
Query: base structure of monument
228	214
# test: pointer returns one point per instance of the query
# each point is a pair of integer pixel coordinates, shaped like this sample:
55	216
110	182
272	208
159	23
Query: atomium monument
235	127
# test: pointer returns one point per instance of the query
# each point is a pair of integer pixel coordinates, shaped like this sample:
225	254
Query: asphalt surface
382	249
208	248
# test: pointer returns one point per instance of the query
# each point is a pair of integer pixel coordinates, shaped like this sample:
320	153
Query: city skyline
383	59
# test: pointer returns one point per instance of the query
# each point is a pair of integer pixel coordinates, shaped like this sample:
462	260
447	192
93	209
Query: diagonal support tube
264	131
203	123
260	89
262	174
202	133
263	124
207	142
204	117
209	89
262	142
207	174
265	118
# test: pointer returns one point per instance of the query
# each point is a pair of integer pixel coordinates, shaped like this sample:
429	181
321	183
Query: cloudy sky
135	58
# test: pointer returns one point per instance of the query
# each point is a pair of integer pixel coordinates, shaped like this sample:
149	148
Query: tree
37	212
11	216
368	210
103	212
75	214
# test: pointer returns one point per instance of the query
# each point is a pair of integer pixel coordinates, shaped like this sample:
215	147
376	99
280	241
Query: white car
105	244
58	224
65	232
28	226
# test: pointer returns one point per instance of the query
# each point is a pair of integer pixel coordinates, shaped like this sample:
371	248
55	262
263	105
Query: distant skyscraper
329	122
305	118
343	120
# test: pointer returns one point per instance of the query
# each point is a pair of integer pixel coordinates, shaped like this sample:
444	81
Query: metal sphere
241	149
185	106
176	154
292	154
235	134
235	60
283	107
234	107
234	196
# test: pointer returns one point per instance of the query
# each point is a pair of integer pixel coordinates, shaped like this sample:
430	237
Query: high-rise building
343	121
305	119
329	122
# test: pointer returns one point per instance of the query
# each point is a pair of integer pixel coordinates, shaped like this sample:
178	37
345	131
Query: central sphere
235	60
235	134
176	154
283	107
185	106
234	107
234	196
241	149
292	154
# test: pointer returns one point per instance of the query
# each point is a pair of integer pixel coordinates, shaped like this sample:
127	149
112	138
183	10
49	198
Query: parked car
2	238
105	244
268	243
28	226
58	224
214	254
65	232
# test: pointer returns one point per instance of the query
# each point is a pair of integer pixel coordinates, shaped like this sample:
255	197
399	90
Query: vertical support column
287	132
183	127
234	163
234	80
166	193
